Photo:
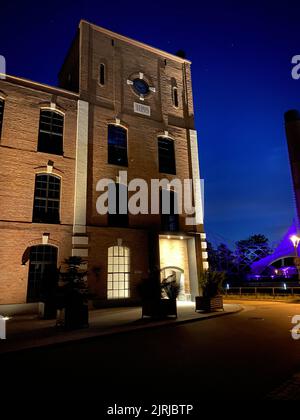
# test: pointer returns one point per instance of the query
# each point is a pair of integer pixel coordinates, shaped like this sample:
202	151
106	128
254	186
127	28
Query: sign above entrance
142	109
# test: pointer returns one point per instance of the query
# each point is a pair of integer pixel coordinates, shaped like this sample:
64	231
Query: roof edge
32	84
135	42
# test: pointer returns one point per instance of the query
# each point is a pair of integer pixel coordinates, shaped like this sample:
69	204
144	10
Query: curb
119	330
261	299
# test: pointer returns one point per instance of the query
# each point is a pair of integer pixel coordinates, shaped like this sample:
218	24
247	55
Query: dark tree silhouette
250	250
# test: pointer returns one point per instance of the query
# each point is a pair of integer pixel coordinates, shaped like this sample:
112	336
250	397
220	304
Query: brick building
120	105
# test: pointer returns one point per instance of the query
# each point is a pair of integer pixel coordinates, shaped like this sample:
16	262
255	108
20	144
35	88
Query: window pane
102	74
118	282
117	145
1	114
51	132
175	97
166	156
169	221
43	261
46	199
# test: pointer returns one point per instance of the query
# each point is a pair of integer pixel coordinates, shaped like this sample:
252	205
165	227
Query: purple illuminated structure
292	128
281	261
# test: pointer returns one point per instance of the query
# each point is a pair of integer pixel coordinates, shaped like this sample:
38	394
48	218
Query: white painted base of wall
21	309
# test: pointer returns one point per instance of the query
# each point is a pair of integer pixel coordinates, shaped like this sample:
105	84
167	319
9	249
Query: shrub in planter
210	282
48	291
73	294
159	299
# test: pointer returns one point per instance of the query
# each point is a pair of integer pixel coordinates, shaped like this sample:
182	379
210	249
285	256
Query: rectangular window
117	145
1	114
119	220
170	221
102	74
51	132
118	273
175	97
46	199
166	156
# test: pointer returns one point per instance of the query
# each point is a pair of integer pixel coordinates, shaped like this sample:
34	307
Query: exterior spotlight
295	240
181	237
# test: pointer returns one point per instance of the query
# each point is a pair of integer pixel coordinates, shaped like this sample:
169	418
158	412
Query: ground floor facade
117	260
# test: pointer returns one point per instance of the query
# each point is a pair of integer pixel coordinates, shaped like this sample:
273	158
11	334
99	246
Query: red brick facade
20	161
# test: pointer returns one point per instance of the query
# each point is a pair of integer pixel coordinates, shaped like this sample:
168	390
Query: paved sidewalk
24	332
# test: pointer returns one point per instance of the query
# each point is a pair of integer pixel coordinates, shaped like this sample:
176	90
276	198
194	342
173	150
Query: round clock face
140	86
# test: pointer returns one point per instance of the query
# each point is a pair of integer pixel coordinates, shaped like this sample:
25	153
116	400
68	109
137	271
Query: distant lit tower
292	126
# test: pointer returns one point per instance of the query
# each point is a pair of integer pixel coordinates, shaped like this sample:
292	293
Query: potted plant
210	283
48	291
74	294
159	299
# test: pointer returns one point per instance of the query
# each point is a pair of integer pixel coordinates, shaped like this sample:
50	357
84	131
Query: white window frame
118	272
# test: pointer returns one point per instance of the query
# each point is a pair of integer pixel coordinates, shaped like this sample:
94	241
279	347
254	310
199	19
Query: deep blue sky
241	70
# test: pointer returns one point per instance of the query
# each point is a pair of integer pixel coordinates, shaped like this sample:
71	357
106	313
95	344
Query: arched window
46	199
102	74
166	156
117	145
118	272
42	274
51	132
175	96
1	114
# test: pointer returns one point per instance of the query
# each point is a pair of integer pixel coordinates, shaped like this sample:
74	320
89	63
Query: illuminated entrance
178	261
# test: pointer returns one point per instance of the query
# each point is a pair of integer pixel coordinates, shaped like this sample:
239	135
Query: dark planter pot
161	308
209	304
76	317
50	310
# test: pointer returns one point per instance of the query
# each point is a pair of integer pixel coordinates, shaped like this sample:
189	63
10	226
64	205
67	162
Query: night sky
242	85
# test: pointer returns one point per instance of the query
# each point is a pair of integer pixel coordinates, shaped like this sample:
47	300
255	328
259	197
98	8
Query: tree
212	257
250	250
226	259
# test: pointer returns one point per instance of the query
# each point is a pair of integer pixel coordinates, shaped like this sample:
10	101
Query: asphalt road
244	356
